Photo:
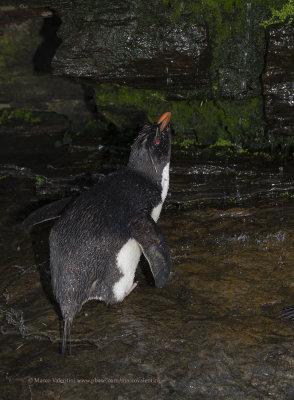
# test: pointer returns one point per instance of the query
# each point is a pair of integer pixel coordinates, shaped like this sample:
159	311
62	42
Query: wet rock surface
210	333
182	49
278	80
203	60
135	43
239	48
28	42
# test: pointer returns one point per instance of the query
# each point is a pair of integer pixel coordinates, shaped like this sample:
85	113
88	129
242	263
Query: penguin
48	212
98	239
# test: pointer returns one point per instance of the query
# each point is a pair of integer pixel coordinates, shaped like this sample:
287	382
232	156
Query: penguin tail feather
66	337
46	213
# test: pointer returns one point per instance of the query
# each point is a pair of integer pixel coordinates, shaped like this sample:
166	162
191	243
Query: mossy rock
240	121
28	121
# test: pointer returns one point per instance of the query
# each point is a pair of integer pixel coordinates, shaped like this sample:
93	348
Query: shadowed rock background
95	65
77	79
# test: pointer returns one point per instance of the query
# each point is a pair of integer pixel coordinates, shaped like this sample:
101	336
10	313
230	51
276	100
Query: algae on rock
237	120
22	86
202	60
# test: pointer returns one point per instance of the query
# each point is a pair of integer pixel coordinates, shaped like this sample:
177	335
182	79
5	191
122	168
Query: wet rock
23	122
209	334
27	43
239	48
201	60
134	43
278	80
178	48
49	188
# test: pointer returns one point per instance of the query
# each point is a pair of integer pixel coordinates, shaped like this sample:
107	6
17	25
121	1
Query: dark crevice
89	97
45	52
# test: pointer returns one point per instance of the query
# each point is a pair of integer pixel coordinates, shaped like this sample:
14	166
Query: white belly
126	262
129	255
156	212
164	185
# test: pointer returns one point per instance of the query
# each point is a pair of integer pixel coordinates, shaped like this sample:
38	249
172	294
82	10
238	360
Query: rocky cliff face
28	42
135	43
278	81
201	60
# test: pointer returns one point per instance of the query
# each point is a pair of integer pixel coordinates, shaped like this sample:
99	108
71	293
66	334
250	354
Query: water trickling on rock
210	333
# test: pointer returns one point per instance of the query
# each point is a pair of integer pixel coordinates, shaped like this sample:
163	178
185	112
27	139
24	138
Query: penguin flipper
46	213
145	231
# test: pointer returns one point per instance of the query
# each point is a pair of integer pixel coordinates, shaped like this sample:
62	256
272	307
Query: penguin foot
132	288
286	313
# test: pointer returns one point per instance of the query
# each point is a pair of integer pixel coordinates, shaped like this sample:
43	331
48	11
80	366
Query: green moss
239	122
115	94
7	8
67	139
222	143
26	116
185	143
284	15
18	43
11	116
234	30
262	154
38	181
9	50
4	116
286	195
4	176
94	128
153	104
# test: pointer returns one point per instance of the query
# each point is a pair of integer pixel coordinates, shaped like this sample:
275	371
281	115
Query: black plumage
86	241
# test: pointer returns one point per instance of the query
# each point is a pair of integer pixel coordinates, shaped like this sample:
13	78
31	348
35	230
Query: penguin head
150	152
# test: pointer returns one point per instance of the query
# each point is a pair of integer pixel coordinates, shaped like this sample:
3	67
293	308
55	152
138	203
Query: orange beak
164	120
